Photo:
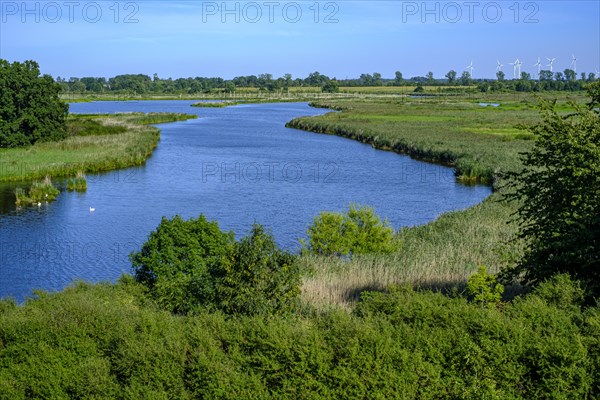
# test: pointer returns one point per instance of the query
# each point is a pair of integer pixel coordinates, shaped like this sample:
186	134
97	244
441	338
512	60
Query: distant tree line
566	80
138	84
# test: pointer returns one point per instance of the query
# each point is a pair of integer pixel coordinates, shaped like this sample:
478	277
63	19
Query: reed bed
38	192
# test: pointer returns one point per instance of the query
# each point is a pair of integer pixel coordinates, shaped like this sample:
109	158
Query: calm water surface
237	165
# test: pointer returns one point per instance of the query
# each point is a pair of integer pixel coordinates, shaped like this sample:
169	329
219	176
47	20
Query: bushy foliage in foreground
111	341
359	231
187	265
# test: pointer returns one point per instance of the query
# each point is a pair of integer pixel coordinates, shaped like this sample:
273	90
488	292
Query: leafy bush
262	279
484	288
191	264
331	86
177	261
359	231
111	341
30	109
561	291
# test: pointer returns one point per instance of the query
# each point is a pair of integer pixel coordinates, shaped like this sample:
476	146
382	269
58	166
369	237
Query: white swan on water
92	209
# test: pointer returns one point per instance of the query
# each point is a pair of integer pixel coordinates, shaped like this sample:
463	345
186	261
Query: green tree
190	264
465	78
331	86
377	79
398	79
30	108
593	90
546	75
366	80
430	78
177	261
451	76
500	76
229	87
559	198
559	76
288	81
261	279
570	75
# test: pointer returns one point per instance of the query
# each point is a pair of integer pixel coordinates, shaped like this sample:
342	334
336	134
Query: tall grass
78	183
438	255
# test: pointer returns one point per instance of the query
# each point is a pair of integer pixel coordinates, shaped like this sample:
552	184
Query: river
237	165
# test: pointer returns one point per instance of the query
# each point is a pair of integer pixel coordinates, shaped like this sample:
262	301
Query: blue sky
200	38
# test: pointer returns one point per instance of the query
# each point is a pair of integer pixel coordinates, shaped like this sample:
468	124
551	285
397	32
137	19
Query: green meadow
95	143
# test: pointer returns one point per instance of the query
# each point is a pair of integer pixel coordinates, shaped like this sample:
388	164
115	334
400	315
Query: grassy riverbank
479	142
95	143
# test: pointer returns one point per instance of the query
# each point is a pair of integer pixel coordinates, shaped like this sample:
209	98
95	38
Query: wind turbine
539	65
551	62
516	65
519	63
471	68
574	63
499	67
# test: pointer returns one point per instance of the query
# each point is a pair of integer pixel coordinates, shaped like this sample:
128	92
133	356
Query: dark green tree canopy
331	86
30	109
192	264
176	261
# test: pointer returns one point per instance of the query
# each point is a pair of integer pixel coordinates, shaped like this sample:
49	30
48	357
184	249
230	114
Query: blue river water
236	165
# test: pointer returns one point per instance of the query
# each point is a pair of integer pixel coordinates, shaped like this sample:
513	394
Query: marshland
299	200
189	279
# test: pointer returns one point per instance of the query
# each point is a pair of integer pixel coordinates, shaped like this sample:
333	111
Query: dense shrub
191	264
111	341
484	288
331	86
359	231
30	109
177	261
261	279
